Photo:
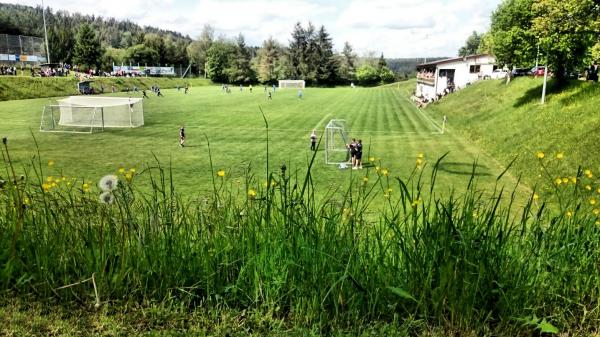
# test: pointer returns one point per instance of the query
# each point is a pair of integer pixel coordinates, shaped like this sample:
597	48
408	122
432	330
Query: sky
396	28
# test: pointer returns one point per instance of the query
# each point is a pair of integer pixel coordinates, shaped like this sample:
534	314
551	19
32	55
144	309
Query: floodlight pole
45	31
544	86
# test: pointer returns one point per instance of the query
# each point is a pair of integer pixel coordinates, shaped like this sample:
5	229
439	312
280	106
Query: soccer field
393	131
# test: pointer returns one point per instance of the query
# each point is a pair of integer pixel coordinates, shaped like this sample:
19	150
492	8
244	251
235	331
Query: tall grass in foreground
463	262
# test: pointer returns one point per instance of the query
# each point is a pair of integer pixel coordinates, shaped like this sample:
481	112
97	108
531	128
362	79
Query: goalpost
291	84
336	139
84	114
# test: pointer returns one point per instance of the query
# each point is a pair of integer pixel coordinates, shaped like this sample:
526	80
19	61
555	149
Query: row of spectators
4	70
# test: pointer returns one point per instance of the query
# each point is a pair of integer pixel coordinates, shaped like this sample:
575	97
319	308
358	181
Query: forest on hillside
98	43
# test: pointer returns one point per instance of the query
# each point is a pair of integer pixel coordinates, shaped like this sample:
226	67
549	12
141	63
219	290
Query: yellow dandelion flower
385	195
86	190
26	201
558	181
50	162
121	170
560	156
420	156
365	179
273	183
535	196
540	155
385	172
416	202
592	201
588	187
86	185
46	187
569	214
389	190
587	172
221	173
371	159
251	193
132	170
597	222
419	161
128	176
598	191
596	211
565	180
574	180
68	183
419	167
376	168
53	184
50	179
63	178
590	176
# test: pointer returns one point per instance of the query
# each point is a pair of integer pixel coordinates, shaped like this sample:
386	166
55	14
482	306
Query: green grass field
282	261
393	131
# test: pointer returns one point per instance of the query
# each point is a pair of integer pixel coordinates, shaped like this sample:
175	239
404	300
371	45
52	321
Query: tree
367	75
471	45
198	49
240	70
347	69
514	44
303	52
142	54
156	43
218	58
381	63
88	51
325	61
266	61
113	56
566	30
61	42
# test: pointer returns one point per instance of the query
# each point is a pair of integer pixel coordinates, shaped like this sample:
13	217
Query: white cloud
398	28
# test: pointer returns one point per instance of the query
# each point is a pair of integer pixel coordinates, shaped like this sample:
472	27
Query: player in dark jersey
358	156
182	136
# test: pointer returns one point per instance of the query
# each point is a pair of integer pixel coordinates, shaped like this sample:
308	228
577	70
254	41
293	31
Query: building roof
454	59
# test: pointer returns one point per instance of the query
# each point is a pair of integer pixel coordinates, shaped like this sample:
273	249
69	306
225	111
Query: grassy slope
390	126
23	87
508	121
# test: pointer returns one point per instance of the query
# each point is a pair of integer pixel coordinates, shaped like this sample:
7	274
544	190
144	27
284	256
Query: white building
436	79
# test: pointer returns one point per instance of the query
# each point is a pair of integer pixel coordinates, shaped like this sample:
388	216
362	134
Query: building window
474	69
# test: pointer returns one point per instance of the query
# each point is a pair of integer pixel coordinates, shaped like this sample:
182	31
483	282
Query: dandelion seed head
107	198
108	182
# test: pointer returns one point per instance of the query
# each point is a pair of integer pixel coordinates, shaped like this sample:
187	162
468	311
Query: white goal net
86	114
299	84
336	140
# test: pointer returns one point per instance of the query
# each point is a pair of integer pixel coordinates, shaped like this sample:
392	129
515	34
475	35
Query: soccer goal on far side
298	84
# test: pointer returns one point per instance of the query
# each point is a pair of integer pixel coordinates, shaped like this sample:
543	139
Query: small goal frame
73	115
336	140
299	84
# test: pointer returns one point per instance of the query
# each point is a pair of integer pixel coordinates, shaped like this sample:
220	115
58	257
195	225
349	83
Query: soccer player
358	155
250	88
313	140
182	136
144	94
299	94
241	88
185	91
269	96
352	148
